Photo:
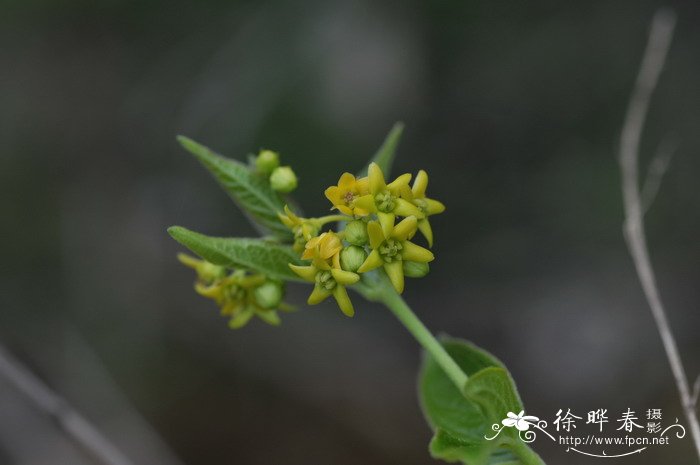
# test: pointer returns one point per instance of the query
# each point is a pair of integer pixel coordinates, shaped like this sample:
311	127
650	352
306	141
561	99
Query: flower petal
376	178
416	253
269	316
373	260
307	273
344	209
318	295
405	228
433	207
405	208
397	185
420	184
425	228
321	264
241	318
345	277
363	186
375	233
387	222
343	299
395	272
366	203
334	194
211	292
346	181
329	245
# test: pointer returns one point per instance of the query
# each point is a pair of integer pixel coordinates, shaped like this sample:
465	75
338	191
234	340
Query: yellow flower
427	206
328	281
344	194
386	200
325	247
390	250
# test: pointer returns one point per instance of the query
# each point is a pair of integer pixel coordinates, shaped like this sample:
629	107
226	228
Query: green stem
409	319
384	293
526	455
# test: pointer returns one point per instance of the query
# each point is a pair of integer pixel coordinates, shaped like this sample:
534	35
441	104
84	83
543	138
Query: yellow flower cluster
239	295
373	236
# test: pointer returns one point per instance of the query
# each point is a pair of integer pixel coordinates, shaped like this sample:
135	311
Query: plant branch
67	418
659	42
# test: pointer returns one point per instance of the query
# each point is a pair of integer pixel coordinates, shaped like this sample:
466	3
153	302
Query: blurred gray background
514	108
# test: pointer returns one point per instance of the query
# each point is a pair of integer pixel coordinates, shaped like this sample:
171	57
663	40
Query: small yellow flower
387	200
325	247
328	281
390	250
344	194
427	206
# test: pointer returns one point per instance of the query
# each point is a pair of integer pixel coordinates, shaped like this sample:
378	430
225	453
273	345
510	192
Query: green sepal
267	257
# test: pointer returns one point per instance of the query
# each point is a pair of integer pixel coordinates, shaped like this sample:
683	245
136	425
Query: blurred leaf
267	257
462	419
448	448
251	192
384	157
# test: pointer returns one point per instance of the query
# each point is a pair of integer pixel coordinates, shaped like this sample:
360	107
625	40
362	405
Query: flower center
234	293
421	204
390	250
385	202
325	280
348	198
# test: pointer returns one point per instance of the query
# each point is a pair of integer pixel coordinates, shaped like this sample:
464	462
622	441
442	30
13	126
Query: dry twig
660	37
67	418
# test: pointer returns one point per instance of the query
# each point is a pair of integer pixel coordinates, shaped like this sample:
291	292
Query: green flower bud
209	272
356	232
352	257
267	161
283	179
269	294
415	269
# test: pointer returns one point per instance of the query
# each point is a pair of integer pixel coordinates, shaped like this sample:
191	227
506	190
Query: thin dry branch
67	418
659	42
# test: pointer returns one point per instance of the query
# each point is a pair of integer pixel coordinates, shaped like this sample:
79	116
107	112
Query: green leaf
251	192
462	419
267	257
384	157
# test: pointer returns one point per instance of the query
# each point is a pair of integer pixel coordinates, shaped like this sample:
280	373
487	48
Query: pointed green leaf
267	257
462	419
384	157
251	192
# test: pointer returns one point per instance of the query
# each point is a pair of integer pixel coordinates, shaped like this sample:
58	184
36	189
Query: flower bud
415	269
283	179
356	232
269	294
267	161
206	272
352	257
210	272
